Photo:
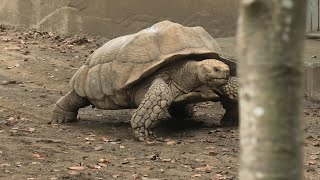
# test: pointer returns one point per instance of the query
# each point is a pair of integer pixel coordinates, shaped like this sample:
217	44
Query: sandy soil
35	68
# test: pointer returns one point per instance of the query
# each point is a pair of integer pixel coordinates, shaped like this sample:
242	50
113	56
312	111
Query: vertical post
270	44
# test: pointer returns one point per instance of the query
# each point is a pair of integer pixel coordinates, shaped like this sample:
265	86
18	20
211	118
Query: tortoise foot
59	115
143	134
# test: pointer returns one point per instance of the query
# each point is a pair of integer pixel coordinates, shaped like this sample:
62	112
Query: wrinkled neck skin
185	84
182	79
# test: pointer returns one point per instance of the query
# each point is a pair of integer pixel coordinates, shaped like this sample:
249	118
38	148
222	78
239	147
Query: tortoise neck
185	78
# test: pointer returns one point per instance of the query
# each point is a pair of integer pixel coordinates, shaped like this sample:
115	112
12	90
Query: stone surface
112	18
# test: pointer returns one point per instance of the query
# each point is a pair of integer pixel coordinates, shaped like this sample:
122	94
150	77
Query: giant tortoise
160	69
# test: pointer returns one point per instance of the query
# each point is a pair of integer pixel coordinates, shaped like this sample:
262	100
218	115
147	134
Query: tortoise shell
124	61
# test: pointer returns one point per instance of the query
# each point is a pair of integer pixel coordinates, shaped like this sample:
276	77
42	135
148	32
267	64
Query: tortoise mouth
219	82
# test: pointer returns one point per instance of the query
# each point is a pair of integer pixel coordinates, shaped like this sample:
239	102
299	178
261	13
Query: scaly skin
66	108
229	101
151	110
231	89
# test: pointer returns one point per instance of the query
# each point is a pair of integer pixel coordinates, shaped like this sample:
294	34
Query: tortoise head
213	73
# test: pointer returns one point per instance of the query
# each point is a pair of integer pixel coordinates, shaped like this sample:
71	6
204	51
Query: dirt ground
35	68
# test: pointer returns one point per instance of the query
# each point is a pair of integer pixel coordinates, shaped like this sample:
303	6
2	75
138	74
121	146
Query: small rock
11	121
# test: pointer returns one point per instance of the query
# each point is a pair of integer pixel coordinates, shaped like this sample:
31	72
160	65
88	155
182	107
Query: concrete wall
312	79
112	18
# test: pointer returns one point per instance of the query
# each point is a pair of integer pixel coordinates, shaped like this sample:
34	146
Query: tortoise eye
216	69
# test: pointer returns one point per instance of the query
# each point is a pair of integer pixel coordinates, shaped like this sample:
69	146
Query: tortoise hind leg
66	108
181	111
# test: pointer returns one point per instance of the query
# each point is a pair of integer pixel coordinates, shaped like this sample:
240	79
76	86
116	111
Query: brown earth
34	72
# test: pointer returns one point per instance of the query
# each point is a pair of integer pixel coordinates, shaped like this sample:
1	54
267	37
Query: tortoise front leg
151	110
229	101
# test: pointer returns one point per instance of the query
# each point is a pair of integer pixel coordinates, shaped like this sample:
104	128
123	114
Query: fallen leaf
213	153
171	142
77	168
316	144
196	175
99	148
94	166
311	162
103	160
18	164
73	172
219	177
205	168
115	175
5	165
166	160
153	156
199	160
211	141
36	155
102	164
31	129
104	139
135	176
88	139
125	161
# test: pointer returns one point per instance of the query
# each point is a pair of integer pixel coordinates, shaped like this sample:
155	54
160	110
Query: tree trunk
270	44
